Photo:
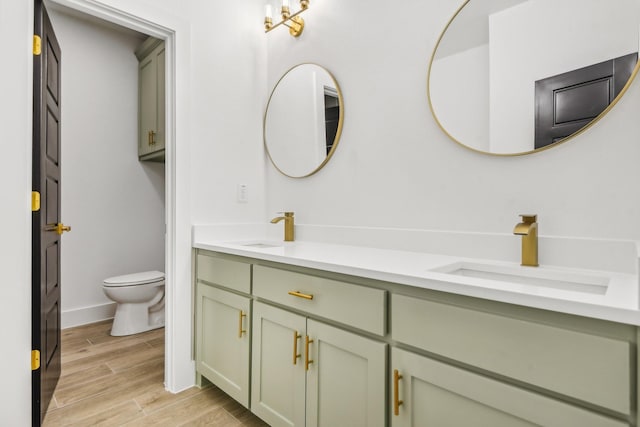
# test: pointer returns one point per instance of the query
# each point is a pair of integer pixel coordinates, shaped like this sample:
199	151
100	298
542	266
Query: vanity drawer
353	305
219	271
591	368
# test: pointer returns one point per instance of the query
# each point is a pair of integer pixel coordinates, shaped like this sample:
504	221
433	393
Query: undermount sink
531	276
261	245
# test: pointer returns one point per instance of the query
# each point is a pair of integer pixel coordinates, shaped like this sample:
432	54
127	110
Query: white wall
16	27
229	95
113	202
395	168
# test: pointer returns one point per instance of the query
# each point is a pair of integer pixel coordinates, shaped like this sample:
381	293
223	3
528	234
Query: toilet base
135	318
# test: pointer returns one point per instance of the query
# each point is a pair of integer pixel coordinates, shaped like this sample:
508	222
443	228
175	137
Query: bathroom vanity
308	333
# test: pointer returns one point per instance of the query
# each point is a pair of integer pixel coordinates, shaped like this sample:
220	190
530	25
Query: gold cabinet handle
152	139
240	330
301	295
296	337
307	361
396	392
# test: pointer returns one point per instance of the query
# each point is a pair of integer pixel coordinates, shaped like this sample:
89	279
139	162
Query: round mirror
303	120
509	77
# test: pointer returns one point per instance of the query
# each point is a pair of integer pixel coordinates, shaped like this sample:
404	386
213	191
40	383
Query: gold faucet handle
529	218
286	213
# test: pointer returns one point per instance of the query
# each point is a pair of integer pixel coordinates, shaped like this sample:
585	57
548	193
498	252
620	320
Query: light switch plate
242	193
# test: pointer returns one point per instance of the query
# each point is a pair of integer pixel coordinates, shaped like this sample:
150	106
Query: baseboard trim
86	315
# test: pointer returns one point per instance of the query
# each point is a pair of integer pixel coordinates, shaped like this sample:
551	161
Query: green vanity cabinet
222	326
387	354
306	372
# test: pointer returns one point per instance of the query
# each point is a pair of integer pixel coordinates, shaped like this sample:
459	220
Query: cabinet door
148	99
436	394
345	380
278	376
160	98
151	138
222	340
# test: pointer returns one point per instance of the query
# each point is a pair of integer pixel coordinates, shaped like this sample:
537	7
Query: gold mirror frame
338	131
555	144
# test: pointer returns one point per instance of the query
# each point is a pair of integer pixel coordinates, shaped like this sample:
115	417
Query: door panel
148	96
52	137
222	349
567	102
46	247
51	331
433	393
278	385
52	262
438	406
346	381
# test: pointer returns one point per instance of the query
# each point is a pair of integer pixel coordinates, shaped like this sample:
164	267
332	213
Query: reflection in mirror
508	77
303	120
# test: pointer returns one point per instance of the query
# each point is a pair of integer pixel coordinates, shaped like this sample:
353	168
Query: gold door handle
396	392
301	295
240	330
152	139
296	337
58	228
307	361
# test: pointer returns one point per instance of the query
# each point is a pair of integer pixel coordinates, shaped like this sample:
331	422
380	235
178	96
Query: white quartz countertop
613	296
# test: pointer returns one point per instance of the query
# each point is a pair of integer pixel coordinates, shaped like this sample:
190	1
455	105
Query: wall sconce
294	22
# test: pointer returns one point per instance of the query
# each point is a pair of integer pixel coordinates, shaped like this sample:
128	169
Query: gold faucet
288	225
528	229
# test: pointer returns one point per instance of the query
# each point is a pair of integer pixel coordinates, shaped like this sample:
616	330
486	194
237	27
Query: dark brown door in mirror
567	102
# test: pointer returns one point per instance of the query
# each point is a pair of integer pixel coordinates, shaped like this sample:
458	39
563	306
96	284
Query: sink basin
261	245
531	276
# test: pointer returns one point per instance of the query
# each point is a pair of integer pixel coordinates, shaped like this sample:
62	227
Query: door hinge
35	201
35	360
37	45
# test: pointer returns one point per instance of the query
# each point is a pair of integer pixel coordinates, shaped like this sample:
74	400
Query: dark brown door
567	102
46	224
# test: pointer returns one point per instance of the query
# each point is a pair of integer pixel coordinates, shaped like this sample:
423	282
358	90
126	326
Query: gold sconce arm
294	22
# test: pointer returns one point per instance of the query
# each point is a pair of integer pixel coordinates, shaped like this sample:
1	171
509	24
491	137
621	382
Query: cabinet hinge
35	201
35	360
37	45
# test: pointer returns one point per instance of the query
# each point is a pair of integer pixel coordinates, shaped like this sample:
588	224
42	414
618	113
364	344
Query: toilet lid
135	279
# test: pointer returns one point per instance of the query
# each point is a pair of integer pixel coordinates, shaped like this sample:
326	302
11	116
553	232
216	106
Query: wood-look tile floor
117	381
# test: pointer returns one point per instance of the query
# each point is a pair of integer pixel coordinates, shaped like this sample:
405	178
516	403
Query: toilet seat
134	279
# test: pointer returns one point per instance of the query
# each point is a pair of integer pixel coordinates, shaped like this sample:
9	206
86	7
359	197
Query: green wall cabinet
151	100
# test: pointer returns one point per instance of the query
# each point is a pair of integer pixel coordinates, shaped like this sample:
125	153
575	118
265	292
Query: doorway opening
180	376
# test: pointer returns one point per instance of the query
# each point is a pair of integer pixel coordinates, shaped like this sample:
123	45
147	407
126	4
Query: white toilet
140	298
